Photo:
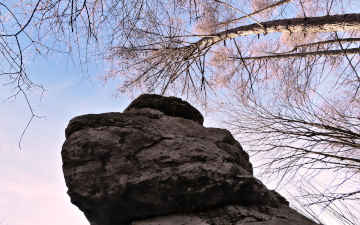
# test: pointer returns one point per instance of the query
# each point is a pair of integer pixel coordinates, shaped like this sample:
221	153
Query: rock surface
233	215
170	106
155	164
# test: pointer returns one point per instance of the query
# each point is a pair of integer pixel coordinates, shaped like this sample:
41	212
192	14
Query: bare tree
290	50
313	146
161	43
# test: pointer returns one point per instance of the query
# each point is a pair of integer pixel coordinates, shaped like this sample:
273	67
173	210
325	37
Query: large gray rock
122	168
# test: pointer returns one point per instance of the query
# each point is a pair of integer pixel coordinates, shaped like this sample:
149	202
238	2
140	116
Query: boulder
155	164
170	106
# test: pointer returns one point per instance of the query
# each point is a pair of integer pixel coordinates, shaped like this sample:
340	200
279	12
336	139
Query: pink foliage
223	65
298	38
207	24
259	49
342	103
221	56
309	8
260	4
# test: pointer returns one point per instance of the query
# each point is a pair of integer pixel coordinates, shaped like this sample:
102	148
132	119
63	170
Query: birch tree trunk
346	22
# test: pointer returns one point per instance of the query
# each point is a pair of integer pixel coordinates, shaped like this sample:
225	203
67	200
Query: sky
33	190
32	186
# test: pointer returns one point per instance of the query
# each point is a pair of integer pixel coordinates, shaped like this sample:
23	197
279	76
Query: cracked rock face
149	164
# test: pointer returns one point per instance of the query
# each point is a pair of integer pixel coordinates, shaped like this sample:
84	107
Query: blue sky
33	190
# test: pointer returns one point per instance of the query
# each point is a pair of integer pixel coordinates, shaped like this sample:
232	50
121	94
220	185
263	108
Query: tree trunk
305	54
345	22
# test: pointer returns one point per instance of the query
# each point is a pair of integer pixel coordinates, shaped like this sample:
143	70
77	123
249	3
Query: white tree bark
345	22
